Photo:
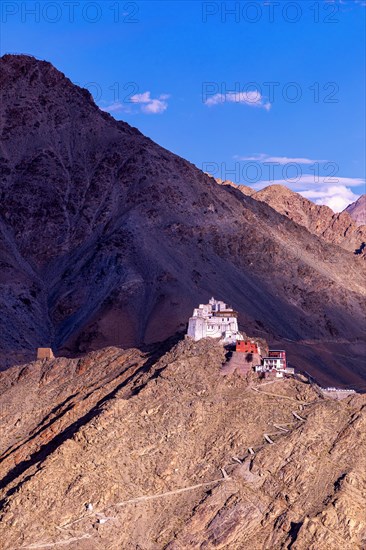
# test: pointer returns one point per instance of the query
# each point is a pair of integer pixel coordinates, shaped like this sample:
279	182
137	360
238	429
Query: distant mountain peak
357	210
336	228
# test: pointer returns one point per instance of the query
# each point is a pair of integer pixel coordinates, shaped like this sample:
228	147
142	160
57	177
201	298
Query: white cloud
141	98
116	107
150	105
146	103
252	98
262	157
337	195
348	3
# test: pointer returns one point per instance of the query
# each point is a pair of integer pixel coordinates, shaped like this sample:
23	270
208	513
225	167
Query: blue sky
256	92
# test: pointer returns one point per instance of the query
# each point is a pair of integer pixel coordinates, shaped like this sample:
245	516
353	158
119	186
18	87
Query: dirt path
144	499
279	395
58	543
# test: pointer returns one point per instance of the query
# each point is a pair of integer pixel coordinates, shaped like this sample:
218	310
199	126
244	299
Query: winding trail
279	395
43	544
58	543
168	493
146	498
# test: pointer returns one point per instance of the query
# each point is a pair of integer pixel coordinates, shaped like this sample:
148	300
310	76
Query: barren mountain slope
357	210
120	450
108	239
320	220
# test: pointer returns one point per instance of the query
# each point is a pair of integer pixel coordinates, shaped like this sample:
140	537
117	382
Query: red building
246	347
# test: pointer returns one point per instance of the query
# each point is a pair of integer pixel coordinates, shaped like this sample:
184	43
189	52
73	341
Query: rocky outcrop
249	191
128	450
339	228
108	239
357	210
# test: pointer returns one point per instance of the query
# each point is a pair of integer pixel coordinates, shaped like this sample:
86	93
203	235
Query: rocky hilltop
337	228
107	239
357	210
245	189
123	449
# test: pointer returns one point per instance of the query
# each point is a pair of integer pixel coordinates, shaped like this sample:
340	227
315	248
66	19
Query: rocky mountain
107	239
245	189
357	210
337	228
123	449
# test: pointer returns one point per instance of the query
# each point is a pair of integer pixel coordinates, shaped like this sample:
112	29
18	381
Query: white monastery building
217	320
214	320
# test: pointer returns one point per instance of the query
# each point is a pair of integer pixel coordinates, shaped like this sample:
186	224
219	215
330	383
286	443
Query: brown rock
143	439
357	210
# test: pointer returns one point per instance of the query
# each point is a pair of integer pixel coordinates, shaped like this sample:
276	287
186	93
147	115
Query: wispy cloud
262	157
116	107
337	195
144	101
348	3
252	99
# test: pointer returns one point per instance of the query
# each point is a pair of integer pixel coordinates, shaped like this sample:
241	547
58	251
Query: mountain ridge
109	239
336	228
